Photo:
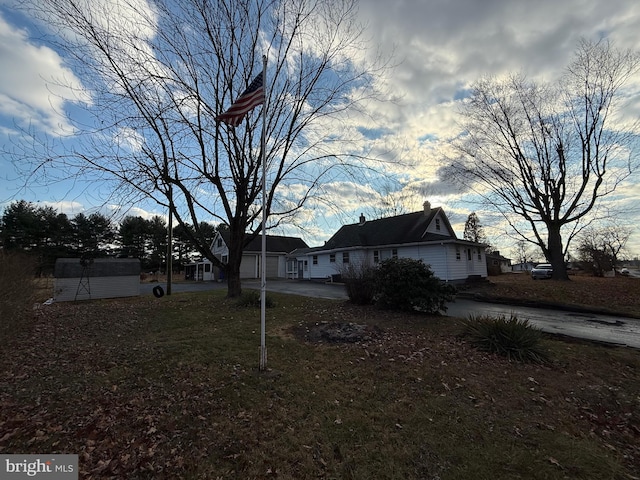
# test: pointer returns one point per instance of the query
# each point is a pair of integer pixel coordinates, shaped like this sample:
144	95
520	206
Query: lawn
616	295
168	388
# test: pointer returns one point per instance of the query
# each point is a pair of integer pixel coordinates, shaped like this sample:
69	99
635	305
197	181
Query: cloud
30	77
121	211
441	47
70	208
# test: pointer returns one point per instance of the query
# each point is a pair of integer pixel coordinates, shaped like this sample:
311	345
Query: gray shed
76	279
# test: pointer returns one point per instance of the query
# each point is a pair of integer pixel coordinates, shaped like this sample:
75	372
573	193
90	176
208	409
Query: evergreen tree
473	230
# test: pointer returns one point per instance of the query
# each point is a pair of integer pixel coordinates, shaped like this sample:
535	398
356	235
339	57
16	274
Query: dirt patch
335	332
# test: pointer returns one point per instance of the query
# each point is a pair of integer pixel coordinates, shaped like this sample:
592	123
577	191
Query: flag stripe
250	98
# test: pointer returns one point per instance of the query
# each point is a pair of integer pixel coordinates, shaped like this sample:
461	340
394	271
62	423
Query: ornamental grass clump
511	337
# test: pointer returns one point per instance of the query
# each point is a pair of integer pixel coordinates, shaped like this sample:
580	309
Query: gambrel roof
398	230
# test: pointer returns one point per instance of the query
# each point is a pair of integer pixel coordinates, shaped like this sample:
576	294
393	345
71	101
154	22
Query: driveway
601	328
590	326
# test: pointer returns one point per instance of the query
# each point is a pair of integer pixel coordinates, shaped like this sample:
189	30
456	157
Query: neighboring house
426	235
277	249
81	279
497	264
523	266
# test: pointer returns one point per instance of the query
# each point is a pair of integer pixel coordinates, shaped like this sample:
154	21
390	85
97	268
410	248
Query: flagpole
263	276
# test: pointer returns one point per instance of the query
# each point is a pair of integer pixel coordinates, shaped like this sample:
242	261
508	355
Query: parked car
543	270
625	272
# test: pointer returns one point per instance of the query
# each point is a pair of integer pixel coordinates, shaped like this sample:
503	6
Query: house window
479	255
315	259
345	257
457	253
394	253
332	258
376	256
438	224
224	259
207	267
219	242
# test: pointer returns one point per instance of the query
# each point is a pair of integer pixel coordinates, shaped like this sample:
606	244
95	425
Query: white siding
323	269
218	247
436	222
441	259
65	289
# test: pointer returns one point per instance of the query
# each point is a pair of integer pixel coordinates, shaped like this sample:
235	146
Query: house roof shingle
401	229
275	243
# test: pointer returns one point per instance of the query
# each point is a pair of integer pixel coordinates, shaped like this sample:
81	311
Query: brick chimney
362	219
427	208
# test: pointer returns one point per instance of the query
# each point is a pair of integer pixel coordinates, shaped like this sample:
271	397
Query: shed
81	279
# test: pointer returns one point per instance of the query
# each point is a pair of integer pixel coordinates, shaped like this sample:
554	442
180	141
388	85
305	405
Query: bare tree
544	155
390	200
522	253
159	73
600	248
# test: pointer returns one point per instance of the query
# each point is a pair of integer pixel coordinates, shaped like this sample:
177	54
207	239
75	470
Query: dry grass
168	388
617	295
17	293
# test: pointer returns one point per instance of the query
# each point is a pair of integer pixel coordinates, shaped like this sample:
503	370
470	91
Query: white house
425	235
277	249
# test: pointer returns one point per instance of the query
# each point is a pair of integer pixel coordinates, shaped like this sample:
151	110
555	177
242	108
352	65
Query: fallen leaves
92	382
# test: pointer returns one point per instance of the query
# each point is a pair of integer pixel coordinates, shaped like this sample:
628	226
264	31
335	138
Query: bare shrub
359	282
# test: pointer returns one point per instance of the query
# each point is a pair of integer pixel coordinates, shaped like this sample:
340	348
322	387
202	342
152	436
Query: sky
439	48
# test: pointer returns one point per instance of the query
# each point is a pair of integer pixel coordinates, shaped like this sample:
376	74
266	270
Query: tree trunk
234	286
556	253
236	246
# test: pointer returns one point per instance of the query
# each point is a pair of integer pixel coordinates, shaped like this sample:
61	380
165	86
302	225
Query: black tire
158	291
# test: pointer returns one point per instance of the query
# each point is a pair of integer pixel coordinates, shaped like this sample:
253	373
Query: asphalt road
601	328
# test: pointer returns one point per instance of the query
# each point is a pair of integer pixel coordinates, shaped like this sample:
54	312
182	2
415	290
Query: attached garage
250	266
82	279
272	267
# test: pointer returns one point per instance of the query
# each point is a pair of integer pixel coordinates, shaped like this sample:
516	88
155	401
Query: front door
300	270
469	260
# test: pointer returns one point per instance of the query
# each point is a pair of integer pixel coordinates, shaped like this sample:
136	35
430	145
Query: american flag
250	98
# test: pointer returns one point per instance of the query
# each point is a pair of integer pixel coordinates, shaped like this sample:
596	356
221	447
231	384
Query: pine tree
473	230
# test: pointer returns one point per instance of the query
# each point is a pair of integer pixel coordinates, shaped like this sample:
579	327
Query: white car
543	270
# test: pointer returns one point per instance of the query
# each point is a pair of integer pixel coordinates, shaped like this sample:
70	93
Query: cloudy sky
440	48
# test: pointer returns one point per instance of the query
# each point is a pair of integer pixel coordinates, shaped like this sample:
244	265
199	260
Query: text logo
50	467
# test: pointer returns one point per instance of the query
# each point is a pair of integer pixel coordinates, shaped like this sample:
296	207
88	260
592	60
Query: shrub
409	285
251	299
17	292
359	281
513	338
